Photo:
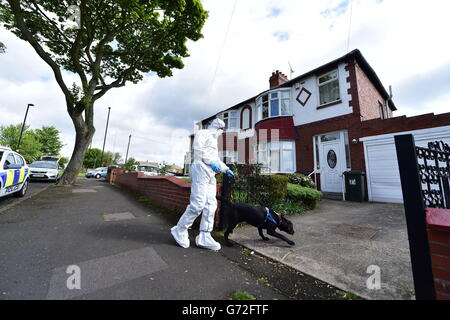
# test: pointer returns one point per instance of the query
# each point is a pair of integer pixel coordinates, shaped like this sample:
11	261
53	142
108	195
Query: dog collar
269	217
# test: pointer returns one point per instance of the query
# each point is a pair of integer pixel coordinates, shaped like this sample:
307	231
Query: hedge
301	180
305	195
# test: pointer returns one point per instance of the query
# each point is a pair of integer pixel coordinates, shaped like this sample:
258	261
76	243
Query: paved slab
102	273
337	243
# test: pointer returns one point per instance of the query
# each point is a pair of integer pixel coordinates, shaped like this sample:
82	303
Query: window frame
228	118
268	155
319	85
279	99
246	124
19	158
6	159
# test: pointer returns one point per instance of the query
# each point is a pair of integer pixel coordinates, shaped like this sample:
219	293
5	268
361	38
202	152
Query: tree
110	158
2	48
92	158
114	42
62	162
50	140
30	147
130	163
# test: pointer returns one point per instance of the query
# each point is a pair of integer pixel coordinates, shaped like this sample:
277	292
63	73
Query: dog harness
269	217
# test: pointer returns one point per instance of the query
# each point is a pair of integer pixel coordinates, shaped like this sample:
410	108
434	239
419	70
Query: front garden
287	194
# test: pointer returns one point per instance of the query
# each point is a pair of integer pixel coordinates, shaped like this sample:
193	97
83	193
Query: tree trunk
84	134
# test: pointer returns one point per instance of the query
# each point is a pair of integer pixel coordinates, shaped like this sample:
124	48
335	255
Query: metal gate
425	178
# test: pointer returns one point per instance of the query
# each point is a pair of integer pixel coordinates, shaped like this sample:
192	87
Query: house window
329	87
277	156
246	118
228	156
230	119
381	108
274	104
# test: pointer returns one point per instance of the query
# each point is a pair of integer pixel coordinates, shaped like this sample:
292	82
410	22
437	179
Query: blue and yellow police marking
13	177
16	176
3	177
9	178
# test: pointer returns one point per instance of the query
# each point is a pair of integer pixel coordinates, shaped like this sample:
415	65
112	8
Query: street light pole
23	126
106	131
128	148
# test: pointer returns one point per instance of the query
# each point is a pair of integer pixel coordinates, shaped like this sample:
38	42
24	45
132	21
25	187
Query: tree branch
17	10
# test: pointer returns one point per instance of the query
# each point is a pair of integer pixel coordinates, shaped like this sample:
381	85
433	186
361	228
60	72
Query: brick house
313	123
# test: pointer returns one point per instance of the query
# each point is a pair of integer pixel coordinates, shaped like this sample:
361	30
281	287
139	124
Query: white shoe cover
204	240
181	236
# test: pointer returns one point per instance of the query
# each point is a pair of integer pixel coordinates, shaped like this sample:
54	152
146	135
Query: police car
14	173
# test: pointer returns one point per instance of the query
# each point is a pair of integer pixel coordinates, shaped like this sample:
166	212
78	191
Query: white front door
330	164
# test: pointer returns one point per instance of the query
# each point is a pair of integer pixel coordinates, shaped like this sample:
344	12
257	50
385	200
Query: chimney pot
277	79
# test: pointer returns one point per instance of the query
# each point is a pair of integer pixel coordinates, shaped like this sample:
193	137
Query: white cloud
400	39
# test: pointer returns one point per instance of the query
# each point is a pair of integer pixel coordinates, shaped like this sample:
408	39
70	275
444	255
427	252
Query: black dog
259	217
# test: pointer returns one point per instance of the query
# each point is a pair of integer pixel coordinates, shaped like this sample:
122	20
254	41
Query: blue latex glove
215	167
230	173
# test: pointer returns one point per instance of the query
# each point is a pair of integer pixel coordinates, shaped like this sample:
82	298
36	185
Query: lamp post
106	131
23	126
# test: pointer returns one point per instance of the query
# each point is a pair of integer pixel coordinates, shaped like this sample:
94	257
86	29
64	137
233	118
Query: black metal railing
425	177
249	185
434	172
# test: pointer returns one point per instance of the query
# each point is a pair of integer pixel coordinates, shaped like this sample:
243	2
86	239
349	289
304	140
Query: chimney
277	79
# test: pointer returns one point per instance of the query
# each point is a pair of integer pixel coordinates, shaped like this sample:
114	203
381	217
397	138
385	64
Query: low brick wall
438	227
170	192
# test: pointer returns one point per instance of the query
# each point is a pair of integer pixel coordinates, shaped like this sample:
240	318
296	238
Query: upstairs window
246	118
273	104
230	119
329	88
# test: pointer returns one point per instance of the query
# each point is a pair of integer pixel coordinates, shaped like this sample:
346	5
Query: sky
405	41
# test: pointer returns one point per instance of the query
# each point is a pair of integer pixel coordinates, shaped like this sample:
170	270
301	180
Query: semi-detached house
316	123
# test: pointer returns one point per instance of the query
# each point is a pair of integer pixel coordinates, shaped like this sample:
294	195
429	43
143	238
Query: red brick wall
438	226
369	97
168	191
128	180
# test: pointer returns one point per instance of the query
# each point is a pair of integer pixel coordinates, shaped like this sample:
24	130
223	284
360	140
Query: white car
14	173
44	170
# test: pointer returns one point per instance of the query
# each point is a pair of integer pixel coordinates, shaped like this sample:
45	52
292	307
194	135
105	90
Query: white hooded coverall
203	189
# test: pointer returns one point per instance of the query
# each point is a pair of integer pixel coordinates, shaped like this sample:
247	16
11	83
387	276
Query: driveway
338	241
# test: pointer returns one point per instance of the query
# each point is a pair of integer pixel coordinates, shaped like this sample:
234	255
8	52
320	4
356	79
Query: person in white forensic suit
203	201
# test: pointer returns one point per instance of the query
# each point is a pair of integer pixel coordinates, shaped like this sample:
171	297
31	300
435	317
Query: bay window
329	88
277	156
273	104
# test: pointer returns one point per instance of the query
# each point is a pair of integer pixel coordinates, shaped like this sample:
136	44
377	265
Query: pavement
34	188
338	241
95	241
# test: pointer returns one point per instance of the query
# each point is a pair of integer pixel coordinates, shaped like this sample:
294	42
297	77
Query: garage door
383	176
